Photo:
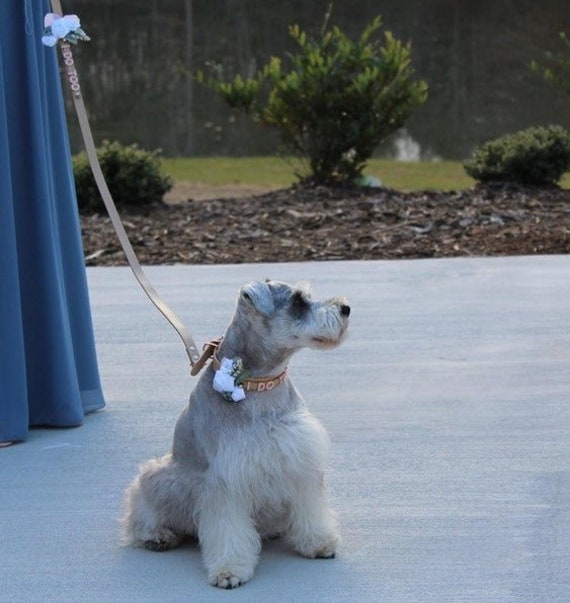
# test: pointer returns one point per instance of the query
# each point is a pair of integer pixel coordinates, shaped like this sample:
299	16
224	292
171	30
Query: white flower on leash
66	28
225	379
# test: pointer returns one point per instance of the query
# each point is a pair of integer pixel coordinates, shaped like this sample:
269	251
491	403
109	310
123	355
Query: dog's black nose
345	310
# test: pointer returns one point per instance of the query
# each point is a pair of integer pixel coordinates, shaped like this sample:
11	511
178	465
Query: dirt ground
204	225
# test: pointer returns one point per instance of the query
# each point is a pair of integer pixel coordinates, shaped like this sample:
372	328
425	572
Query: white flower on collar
227	378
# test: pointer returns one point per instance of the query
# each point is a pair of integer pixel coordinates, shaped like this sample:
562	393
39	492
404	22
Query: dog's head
289	318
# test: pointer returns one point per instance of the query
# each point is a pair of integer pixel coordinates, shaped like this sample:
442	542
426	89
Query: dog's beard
331	332
328	343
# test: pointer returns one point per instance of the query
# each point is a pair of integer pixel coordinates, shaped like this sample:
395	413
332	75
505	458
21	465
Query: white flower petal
49	19
223	382
227	365
72	22
238	394
60	28
65	25
49	41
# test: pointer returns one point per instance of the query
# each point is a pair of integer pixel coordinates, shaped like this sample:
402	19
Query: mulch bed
302	224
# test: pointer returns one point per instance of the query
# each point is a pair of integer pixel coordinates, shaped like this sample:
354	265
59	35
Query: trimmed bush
338	101
537	156
556	71
133	176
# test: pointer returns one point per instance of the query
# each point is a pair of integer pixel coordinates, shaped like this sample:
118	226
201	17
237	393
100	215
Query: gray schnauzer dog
247	458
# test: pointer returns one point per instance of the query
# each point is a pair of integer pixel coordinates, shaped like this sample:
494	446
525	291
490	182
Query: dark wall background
472	53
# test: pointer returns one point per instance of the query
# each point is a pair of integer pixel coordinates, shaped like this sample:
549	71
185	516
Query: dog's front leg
229	541
312	527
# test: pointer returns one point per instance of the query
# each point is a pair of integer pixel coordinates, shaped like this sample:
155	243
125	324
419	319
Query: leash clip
208	350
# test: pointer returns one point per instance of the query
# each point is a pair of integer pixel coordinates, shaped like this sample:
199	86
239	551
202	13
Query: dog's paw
312	549
326	552
230	575
164	540
227	580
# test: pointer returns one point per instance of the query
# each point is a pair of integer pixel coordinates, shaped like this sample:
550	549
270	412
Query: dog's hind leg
149	500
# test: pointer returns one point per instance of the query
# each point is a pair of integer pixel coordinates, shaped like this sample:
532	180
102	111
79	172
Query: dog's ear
304	287
259	296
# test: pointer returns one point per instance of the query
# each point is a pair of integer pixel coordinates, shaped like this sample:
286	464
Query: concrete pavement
448	408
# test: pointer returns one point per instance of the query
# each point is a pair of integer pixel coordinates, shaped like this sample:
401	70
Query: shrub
133	176
537	156
556	71
337	103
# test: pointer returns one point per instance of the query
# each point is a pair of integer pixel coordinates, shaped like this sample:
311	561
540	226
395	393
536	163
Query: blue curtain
48	367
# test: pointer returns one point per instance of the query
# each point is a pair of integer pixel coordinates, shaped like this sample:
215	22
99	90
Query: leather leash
167	312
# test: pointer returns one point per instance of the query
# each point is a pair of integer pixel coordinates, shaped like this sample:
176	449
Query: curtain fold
48	366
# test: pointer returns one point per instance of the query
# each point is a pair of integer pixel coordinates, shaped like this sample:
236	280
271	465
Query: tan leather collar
252	384
256	384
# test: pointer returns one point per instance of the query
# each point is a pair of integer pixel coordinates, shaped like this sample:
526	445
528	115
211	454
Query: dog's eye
299	304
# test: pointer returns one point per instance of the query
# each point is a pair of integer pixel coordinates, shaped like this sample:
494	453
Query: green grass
420	175
273	171
262	171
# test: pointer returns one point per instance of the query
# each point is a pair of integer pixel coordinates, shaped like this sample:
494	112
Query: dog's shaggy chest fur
238	472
